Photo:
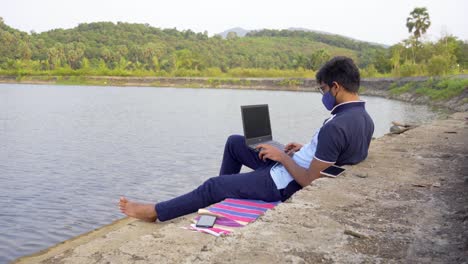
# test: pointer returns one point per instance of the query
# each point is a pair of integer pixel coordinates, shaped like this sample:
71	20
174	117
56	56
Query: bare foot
145	212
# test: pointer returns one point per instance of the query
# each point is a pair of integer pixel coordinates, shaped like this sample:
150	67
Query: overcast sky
370	20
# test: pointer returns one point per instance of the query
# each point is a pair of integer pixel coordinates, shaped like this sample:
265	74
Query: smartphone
206	221
332	171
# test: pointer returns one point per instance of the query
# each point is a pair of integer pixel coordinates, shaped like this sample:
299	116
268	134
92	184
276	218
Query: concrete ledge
408	202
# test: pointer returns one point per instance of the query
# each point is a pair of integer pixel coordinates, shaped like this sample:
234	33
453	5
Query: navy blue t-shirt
345	139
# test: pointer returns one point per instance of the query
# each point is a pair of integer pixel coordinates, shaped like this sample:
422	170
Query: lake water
68	152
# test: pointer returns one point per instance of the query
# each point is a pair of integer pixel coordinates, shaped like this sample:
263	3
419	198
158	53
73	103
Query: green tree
318	58
102	67
438	65
369	71
409	69
85	64
231	35
418	22
74	53
382	62
55	56
185	59
123	64
462	55
395	60
24	51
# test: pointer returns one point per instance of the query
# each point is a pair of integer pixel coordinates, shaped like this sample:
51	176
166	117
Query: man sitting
343	139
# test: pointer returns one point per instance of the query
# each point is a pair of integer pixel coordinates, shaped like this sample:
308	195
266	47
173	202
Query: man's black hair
341	70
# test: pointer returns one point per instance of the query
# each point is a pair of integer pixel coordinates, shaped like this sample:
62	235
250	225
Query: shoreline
380	87
413	210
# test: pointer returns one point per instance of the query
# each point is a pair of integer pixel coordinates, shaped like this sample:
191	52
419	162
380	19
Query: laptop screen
256	120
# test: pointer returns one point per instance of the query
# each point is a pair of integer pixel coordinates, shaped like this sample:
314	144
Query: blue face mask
328	100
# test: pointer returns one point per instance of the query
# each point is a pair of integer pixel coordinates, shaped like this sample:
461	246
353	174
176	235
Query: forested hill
330	39
125	47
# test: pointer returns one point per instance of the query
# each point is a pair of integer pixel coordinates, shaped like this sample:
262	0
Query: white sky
370	20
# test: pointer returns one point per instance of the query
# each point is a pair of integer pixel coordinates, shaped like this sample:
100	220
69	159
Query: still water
68	152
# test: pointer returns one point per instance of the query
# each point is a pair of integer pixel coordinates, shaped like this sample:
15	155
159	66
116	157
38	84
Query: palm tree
418	22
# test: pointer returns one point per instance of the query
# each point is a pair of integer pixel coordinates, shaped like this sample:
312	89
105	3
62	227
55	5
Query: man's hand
292	147
271	153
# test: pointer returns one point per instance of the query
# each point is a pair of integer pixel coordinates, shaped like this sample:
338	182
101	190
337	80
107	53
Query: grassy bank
208	72
447	92
435	89
184	82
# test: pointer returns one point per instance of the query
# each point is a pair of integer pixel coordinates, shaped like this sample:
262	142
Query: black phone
206	221
332	171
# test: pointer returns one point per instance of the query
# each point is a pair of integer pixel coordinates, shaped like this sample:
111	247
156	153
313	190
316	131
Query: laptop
257	128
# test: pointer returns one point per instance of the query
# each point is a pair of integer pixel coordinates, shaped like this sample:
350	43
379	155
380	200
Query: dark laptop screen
256	121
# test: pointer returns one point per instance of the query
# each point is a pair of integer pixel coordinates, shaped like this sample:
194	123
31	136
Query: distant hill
130	47
309	30
239	31
315	36
324	32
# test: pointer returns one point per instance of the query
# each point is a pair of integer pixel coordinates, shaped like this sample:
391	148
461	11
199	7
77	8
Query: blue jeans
257	184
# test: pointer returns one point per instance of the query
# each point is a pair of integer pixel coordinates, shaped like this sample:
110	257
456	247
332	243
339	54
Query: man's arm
302	176
291	148
305	176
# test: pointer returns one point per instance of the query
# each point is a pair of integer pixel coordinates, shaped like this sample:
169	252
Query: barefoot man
343	139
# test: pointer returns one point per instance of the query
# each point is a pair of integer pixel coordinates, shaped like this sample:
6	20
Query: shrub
438	65
408	69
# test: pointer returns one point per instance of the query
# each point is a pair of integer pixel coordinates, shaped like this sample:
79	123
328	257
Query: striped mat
232	214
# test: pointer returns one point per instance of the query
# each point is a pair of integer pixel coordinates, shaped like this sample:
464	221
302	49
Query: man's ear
337	85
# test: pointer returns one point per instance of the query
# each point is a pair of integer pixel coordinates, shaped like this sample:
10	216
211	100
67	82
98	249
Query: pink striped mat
232	214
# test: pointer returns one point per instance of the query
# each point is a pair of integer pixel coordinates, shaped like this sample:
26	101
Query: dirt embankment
373	86
407	203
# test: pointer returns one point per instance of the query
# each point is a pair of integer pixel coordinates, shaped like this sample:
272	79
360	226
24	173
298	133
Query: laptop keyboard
272	143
